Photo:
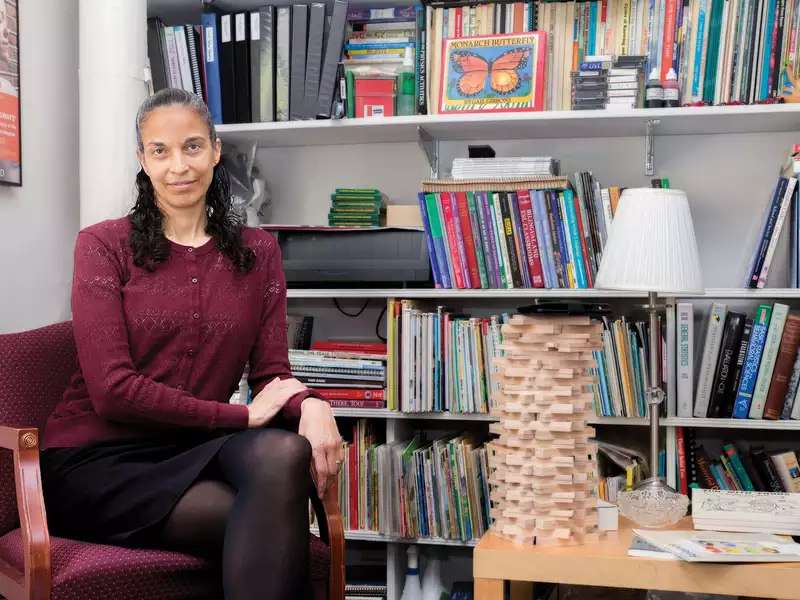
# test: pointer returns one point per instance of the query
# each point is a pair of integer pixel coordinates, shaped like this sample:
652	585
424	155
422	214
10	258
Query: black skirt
119	492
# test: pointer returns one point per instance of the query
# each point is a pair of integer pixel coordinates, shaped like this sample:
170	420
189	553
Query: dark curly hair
149	244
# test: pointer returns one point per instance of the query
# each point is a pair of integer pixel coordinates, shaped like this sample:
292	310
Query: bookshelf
726	158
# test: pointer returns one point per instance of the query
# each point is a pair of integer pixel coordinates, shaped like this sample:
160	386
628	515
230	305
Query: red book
519	17
351	394
353	403
452	240
459	26
529	234
586	264
375	97
469	243
680	442
670	17
353	347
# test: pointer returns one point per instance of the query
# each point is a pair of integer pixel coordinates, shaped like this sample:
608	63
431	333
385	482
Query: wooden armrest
35	581
329	517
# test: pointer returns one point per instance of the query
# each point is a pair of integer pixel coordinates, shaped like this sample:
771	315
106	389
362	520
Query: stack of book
440	360
758	512
350	396
534	233
505	167
622	369
749	366
356	208
413	488
341	377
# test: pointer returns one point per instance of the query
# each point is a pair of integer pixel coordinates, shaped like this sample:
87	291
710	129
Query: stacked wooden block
544	464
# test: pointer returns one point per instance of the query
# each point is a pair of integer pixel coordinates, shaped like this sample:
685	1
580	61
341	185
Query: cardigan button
194	279
190	249
196	315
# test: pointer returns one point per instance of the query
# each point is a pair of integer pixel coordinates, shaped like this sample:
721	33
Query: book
314	57
758	512
227	68
262	64
749	376
787	353
788	470
211	56
766	469
493	73
713	341
283	37
718	546
769	356
726	362
644	549
333	51
685	361
730	398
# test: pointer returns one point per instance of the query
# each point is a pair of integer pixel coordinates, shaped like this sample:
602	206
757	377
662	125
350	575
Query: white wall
39	221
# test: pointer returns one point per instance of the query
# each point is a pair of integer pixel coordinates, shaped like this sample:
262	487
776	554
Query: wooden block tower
544	467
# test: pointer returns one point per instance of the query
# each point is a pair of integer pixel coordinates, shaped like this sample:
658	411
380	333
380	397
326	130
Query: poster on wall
10	139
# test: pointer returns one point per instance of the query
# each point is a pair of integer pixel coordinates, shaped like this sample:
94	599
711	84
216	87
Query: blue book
752	361
766	232
437	280
543	237
211	52
719	475
603	384
562	242
575	238
592	26
386	46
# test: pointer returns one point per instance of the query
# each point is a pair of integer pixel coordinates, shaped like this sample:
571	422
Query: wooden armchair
35	367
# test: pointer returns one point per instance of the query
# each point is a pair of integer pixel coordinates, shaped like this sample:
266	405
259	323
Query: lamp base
653	504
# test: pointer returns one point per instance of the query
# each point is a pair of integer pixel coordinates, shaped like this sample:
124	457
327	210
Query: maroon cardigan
167	349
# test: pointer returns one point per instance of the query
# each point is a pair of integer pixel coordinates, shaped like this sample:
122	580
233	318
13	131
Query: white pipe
112	60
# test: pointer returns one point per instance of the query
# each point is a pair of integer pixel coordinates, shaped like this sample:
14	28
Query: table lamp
652	248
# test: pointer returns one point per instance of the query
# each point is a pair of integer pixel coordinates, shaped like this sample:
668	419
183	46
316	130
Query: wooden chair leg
488	589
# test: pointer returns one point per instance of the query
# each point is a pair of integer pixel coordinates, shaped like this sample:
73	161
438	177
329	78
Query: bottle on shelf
412	590
432	586
406	98
653	91
671	90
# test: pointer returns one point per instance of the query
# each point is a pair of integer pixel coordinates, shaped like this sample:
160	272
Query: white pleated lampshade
651	245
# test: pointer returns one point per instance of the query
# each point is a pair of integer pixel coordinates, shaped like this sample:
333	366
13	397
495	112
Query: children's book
718	546
493	73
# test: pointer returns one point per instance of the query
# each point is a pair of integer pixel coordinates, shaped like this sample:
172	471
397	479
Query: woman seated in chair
169	305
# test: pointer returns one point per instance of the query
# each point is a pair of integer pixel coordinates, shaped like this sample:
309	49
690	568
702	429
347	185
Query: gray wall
39	221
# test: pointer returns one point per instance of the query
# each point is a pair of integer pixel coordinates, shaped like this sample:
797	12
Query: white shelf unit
371	536
707	128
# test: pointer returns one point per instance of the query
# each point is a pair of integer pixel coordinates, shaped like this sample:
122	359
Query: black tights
254	516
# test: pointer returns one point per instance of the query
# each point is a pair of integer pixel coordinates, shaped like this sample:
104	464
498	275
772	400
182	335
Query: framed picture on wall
10	138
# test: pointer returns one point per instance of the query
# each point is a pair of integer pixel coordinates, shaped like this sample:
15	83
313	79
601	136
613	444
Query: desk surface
607	564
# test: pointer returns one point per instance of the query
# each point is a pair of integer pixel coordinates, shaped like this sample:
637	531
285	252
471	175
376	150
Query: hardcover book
493	73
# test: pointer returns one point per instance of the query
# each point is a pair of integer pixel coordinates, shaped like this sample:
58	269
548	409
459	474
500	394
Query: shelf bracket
430	146
649	152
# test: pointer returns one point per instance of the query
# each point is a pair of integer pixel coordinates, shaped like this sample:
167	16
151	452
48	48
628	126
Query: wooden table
607	563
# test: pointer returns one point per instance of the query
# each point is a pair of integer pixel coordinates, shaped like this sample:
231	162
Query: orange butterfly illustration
502	73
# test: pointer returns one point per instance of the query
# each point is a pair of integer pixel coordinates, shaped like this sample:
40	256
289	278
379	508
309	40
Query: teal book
712	59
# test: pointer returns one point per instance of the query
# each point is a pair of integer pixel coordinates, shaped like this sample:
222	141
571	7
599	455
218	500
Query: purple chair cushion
35	367
84	571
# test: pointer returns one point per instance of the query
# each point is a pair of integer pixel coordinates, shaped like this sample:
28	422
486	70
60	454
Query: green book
477	241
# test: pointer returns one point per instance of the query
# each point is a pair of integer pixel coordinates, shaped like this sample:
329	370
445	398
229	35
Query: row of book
542	233
440	360
782	203
756	469
271	64
415	488
622	369
749	366
722	52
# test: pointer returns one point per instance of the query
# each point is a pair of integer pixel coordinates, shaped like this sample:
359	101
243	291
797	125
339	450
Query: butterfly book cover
493	73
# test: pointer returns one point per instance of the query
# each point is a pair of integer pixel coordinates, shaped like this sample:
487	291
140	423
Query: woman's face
178	156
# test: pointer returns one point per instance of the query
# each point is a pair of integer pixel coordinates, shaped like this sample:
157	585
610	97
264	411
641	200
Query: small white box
607	516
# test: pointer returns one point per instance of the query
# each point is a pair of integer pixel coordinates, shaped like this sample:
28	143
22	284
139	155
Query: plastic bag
250	194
